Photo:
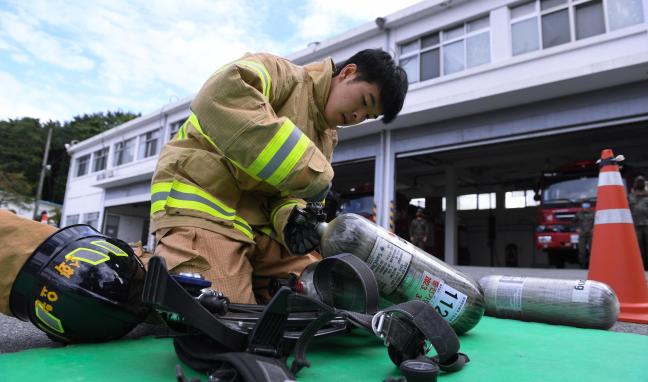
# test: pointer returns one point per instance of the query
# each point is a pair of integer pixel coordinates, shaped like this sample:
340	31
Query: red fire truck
562	194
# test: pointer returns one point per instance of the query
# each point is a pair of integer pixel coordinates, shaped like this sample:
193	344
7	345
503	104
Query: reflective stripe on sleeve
280	155
610	178
277	159
159	195
612	216
287	203
266	80
243	226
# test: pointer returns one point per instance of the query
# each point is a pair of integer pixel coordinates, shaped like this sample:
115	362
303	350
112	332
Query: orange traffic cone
615	258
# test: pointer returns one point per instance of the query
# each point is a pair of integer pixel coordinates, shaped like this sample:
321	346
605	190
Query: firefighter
228	192
638	201
584	221
19	238
419	230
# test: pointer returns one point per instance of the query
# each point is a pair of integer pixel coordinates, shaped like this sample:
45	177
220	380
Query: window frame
95	156
86	163
145	142
87	220
571	6
119	150
174	127
442	42
75	217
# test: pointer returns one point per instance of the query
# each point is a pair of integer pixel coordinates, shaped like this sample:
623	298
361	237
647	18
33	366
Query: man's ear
348	70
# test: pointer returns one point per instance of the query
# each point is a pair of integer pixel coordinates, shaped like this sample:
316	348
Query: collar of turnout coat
321	73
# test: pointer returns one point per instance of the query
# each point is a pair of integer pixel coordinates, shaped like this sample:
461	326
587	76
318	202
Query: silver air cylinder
581	303
405	272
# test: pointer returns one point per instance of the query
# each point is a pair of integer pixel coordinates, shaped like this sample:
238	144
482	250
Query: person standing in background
419	230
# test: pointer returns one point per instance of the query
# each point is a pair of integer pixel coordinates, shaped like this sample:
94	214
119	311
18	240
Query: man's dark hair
377	67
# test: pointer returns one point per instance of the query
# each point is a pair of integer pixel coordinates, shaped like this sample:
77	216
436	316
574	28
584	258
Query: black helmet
80	286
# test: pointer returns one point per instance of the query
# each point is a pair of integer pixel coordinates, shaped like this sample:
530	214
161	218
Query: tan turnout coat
255	145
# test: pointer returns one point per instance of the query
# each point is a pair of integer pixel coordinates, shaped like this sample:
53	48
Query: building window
448	51
175	126
82	165
468	202
547	23
624	13
112	225
99	159
520	199
124	151
148	145
92	219
72	219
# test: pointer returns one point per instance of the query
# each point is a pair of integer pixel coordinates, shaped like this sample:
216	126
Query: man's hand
300	233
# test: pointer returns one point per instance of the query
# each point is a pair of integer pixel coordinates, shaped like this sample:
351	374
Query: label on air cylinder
581	291
389	263
509	293
448	301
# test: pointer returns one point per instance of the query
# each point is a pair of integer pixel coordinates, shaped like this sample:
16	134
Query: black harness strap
399	325
325	283
163	292
219	348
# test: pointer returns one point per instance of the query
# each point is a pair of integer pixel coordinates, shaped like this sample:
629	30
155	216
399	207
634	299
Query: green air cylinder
404	272
581	303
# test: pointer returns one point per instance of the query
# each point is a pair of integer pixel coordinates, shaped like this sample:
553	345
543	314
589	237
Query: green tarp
500	350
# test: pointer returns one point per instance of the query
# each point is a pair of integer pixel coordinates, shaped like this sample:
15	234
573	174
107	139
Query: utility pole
43	171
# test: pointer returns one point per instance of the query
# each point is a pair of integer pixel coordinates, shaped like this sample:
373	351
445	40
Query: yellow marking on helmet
110	247
88	255
47	318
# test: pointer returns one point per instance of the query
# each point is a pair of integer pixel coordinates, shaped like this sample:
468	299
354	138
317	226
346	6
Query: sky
59	59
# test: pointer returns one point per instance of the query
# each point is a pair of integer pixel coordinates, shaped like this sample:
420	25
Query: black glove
300	232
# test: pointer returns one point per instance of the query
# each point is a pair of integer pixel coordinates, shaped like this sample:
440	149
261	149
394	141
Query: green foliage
22	146
14	188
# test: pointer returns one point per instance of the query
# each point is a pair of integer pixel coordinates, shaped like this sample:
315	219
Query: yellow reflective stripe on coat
181	195
268	231
277	159
289	202
182	131
280	155
159	195
266	80
262	72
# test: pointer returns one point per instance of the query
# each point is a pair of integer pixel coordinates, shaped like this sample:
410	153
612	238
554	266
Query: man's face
351	102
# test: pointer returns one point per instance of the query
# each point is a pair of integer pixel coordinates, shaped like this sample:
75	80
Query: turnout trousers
241	271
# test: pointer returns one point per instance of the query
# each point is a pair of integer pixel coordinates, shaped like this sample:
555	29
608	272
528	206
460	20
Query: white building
500	90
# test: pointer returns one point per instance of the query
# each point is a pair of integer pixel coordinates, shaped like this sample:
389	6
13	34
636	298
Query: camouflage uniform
419	231
638	201
585	222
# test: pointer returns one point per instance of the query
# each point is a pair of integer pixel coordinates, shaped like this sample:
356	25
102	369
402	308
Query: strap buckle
381	327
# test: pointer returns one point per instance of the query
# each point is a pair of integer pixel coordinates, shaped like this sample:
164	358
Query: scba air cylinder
405	272
581	303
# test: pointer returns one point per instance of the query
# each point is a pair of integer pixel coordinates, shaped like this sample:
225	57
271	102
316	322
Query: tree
22	144
14	189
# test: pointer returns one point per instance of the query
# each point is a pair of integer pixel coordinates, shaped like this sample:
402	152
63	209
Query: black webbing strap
325	283
163	292
268	333
399	325
241	367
